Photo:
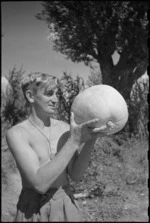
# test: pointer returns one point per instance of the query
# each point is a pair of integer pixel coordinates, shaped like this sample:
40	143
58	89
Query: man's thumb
72	118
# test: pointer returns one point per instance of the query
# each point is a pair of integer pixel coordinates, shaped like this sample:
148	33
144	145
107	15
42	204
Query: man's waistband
52	192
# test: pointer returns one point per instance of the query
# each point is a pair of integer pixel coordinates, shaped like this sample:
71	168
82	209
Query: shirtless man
48	152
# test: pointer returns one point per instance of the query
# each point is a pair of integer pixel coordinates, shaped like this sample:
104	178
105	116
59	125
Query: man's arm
40	178
79	163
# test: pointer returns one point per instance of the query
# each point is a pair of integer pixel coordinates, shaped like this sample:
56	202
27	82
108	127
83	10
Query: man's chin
52	112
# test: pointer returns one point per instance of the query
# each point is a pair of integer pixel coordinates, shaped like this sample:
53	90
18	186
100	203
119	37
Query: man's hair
33	81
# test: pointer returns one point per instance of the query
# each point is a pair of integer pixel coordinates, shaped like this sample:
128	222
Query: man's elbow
40	190
41	187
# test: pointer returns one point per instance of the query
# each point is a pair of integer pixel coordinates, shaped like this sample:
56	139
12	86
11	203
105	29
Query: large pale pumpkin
102	102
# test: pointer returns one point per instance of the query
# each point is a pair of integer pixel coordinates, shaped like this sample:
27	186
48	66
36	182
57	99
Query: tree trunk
123	75
106	66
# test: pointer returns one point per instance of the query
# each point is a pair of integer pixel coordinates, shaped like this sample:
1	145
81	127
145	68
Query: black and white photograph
74	111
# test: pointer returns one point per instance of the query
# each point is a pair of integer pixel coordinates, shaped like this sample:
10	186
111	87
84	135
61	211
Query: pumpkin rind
102	102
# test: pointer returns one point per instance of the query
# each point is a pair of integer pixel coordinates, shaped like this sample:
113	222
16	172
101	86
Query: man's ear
30	96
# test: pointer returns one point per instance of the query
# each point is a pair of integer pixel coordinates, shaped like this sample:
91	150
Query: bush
68	89
15	107
137	125
8	167
138	110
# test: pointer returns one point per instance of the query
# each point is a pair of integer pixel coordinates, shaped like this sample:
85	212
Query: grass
135	163
115	165
115	174
8	166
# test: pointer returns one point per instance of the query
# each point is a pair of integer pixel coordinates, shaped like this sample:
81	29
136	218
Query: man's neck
40	121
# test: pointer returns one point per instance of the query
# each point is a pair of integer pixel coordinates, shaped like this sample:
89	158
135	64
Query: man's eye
50	93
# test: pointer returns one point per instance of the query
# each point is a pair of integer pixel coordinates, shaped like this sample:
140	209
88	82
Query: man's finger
88	123
72	118
100	129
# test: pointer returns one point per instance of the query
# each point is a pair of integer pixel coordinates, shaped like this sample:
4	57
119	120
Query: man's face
45	99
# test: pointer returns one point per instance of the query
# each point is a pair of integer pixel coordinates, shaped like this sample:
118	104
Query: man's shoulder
19	128
17	136
61	125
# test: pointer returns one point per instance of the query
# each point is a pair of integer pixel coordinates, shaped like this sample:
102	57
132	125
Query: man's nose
55	98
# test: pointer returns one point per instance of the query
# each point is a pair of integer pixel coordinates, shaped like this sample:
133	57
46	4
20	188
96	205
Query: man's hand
81	133
103	130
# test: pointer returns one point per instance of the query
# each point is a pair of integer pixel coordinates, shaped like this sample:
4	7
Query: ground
113	205
133	208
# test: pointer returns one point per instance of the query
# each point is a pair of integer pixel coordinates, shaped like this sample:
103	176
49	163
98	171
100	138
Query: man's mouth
52	106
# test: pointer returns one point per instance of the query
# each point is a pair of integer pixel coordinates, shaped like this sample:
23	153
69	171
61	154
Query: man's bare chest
44	145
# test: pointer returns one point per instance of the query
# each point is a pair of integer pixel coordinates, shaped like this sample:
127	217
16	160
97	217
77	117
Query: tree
68	89
138	106
14	107
95	77
94	30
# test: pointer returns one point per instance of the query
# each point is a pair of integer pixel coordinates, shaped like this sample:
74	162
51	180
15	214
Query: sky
25	43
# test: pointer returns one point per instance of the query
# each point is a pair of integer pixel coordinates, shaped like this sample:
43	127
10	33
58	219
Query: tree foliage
95	77
68	89
14	108
93	30
138	109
